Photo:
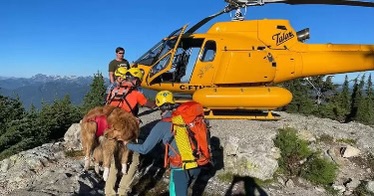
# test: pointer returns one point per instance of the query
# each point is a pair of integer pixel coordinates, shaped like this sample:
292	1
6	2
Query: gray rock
72	139
370	186
350	151
339	188
353	184
290	183
248	152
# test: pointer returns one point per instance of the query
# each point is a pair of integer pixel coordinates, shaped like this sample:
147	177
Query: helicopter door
161	70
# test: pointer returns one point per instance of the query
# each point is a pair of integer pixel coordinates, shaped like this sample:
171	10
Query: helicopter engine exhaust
303	35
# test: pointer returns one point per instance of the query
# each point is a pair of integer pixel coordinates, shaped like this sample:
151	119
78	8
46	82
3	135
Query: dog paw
97	168
86	164
106	173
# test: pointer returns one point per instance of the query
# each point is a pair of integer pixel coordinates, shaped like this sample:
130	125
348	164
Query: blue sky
76	37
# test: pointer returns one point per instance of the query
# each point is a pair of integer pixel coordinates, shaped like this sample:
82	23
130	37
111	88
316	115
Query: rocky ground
245	158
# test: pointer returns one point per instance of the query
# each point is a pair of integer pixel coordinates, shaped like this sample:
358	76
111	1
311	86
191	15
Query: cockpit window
160	49
149	57
160	65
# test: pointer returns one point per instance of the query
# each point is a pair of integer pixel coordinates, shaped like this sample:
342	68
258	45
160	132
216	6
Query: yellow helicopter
235	64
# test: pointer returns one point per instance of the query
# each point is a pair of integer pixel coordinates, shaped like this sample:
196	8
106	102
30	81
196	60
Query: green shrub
293	150
319	171
74	153
263	183
347	141
327	139
293	153
226	176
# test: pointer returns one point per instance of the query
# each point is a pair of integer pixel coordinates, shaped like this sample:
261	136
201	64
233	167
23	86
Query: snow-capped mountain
45	88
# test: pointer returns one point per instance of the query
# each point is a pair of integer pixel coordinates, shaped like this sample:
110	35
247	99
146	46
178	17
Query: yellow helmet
121	72
163	97
136	72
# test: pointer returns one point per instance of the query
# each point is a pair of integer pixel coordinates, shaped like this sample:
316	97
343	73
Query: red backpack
117	96
191	134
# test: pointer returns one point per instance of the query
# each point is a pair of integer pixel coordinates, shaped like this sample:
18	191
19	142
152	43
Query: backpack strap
184	157
128	104
166	155
167	144
113	94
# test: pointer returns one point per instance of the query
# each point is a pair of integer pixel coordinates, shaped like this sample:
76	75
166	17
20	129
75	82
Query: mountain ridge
46	88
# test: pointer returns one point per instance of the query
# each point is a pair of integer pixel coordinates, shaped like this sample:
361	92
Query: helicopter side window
160	65
209	51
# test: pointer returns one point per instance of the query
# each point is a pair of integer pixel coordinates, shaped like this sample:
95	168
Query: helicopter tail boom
323	59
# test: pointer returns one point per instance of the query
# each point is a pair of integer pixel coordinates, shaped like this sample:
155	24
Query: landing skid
241	114
235	114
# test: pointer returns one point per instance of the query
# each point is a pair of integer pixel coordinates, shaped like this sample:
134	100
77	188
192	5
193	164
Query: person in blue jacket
180	179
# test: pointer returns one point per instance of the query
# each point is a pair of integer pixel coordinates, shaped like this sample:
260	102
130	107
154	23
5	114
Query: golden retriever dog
120	155
106	126
98	158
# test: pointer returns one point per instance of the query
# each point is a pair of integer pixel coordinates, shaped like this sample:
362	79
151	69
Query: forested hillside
39	89
45	89
22	129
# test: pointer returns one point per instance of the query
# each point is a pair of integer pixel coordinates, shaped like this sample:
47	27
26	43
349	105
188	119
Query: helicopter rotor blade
203	21
234	4
327	2
367	3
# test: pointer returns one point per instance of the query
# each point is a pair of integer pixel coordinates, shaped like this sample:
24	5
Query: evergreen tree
15	126
19	136
54	120
345	98
329	89
365	110
356	99
342	102
301	101
324	90
22	131
95	97
370	101
10	109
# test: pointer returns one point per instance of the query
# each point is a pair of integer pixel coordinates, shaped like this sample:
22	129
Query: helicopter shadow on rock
250	187
151	168
98	184
208	171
